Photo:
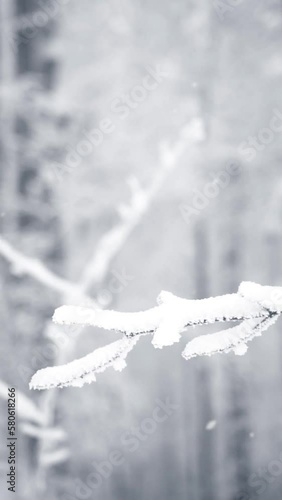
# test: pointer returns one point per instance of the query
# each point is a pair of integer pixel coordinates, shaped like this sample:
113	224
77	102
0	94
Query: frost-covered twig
34	268
130	215
81	371
110	244
78	372
230	307
256	306
232	339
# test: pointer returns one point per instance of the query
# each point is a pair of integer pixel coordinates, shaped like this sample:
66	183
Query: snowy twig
232	339
141	199
78	373
34	268
256	306
95	272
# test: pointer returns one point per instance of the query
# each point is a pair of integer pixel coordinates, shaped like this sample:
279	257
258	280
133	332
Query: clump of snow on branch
269	297
232	339
256	306
168	319
81	371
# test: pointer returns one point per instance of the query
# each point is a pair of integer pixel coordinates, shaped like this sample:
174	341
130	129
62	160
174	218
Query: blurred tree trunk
25	59
206	451
238	419
9	172
205	413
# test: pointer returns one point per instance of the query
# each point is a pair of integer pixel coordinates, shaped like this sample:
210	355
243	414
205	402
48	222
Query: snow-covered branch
81	371
110	244
34	268
130	215
256	306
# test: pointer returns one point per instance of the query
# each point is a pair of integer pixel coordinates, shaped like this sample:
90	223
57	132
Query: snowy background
140	151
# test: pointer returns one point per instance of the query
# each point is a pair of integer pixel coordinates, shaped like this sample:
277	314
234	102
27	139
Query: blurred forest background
92	214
